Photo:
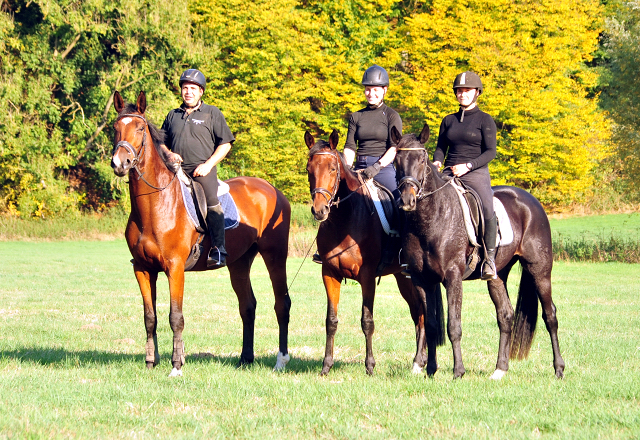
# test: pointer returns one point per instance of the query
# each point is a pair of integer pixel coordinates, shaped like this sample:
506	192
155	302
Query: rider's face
191	94
465	96
374	94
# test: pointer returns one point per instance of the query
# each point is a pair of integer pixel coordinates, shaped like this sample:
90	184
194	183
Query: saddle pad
226	201
379	209
505	231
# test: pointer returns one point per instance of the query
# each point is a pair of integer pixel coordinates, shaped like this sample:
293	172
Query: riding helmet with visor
193	76
468	80
375	76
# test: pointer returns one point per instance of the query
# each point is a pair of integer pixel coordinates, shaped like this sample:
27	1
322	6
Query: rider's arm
349	155
217	156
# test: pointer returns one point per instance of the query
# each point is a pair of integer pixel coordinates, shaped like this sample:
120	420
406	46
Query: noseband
418	186
138	154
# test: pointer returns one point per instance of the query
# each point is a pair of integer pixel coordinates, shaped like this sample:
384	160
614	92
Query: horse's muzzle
321	213
120	168
407	201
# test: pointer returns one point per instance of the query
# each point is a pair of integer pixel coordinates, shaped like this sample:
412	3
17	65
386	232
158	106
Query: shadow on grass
59	357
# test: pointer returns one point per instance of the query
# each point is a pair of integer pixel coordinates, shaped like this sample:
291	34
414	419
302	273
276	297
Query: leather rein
418	186
137	155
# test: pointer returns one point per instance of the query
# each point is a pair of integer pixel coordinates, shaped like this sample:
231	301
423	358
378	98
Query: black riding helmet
375	76
193	76
467	80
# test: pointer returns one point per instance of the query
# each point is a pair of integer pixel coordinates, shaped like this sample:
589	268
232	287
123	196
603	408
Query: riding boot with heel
489	271
215	223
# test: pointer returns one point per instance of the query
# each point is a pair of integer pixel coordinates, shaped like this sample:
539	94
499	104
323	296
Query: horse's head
323	170
131	134
412	165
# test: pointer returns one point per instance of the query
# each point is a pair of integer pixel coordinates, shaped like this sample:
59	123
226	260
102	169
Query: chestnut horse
350	246
160	235
436	246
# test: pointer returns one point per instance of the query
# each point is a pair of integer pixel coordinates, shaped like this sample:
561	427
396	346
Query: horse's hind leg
542	281
504	315
416	308
276	262
147	283
241	283
332	286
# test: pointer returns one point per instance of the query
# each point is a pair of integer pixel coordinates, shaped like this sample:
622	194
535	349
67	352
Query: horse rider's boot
489	271
215	223
316	258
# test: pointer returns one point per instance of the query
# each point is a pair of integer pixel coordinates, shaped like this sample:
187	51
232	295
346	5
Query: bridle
137	155
418	186
330	196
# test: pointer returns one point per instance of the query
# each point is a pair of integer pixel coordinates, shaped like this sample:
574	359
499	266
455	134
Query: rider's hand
174	157
460	169
371	171
437	164
202	170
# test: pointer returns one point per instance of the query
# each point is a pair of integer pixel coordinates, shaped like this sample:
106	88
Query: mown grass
72	358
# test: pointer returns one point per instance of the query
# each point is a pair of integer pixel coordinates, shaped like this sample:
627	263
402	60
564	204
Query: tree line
559	81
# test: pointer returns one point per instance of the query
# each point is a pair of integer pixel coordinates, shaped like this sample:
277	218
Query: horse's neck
349	181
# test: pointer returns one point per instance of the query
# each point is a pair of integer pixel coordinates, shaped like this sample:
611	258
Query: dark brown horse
350	245
160	235
436	246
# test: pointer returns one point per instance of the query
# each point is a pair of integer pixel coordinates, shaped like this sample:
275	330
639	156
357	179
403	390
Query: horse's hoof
150	365
244	362
498	374
175	373
281	361
325	371
560	374
417	369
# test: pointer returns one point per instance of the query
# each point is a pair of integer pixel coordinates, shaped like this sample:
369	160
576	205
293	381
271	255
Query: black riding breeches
210	185
386	177
480	181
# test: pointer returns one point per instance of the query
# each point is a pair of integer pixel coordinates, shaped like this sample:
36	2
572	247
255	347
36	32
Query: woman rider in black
468	141
369	137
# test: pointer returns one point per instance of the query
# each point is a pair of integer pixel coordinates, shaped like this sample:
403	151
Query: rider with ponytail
467	140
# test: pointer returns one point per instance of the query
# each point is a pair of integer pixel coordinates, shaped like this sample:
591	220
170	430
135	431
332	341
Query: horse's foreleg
176	319
276	265
504	315
332	286
147	283
453	284
366	321
241	283
417	303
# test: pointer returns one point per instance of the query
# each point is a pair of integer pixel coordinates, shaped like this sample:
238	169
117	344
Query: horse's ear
308	139
395	135
333	139
118	102
141	103
424	134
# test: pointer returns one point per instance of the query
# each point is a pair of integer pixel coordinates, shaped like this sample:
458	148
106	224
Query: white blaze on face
125	121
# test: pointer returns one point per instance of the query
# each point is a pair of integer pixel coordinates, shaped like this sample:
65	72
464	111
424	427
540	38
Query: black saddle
391	243
477	220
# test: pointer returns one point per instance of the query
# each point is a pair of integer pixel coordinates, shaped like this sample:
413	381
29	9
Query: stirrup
316	258
492	274
213	262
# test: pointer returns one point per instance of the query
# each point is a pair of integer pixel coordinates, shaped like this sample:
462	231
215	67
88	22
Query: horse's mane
158	136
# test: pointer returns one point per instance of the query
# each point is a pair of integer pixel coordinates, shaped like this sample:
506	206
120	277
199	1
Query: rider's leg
215	220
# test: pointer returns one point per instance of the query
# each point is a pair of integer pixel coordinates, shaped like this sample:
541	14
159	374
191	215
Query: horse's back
261	206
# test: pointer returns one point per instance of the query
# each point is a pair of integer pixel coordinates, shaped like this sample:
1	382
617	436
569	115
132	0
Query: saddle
384	204
474	223
195	202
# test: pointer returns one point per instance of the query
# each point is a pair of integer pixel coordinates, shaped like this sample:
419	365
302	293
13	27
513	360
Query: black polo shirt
369	131
196	136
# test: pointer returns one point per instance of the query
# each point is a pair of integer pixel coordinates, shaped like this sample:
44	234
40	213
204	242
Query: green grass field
72	358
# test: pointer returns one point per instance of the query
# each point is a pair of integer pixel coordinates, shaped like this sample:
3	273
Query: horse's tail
440	333
526	317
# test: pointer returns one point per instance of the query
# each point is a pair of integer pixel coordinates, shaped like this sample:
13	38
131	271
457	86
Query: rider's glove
371	171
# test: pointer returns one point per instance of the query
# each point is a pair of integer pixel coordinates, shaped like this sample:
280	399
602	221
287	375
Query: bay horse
160	235
436	246
350	245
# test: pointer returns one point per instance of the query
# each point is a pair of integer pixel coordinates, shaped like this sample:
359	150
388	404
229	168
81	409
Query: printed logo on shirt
198	121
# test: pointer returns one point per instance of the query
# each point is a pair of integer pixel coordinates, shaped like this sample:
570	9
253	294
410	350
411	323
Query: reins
137	155
417	185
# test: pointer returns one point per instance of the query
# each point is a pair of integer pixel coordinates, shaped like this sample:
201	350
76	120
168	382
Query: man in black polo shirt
200	138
